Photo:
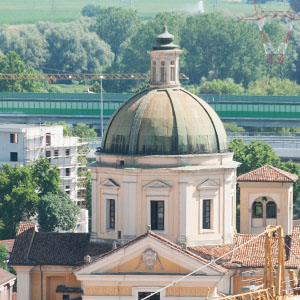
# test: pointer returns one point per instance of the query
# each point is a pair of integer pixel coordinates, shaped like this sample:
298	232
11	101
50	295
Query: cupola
165	61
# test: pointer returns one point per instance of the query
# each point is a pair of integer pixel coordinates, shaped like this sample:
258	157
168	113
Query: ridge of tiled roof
5	276
268	173
53	248
163	240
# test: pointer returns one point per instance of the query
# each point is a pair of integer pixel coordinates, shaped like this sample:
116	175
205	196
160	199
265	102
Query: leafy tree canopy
11	63
3	257
233	127
221	87
274	86
57	211
21	190
253	156
115	25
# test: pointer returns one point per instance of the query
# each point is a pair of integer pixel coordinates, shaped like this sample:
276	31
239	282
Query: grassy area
31	11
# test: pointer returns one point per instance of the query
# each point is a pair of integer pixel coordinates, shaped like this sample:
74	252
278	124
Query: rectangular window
13	156
66	297
67	171
67	187
157	215
206	220
172	73
48	153
48	139
154	74
111	206
145	294
162	74
56	152
67	152
13	138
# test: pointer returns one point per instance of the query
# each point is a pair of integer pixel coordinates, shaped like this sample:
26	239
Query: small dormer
165	61
266	197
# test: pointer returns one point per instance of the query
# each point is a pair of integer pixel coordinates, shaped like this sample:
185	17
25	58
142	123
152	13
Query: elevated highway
256	111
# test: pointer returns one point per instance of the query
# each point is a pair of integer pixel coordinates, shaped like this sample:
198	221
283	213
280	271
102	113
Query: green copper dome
167	121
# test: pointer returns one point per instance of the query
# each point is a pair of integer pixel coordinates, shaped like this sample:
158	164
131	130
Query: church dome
164	121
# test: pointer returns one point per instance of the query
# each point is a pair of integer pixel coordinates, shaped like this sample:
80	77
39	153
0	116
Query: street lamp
101	104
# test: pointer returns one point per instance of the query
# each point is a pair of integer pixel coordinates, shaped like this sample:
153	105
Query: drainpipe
41	282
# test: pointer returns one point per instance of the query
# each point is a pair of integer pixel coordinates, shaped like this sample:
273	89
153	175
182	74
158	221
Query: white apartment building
24	144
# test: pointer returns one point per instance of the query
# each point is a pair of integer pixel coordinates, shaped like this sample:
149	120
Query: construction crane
52	78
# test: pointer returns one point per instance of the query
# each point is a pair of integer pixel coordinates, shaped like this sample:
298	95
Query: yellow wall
108	290
137	265
50	282
190	291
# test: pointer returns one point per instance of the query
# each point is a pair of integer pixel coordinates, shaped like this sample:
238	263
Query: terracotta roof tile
213	252
5	276
166	242
268	173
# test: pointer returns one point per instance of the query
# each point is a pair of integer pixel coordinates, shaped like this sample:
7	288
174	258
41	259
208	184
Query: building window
67	187
157	215
13	138
67	171
66	297
172	72
206	217
154	74
145	294
48	139
67	152
257	209
162	74
56	152
48	154
111	221
13	156
271	210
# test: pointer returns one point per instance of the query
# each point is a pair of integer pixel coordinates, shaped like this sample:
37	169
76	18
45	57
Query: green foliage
223	47
274	86
21	190
57	211
233	127
115	26
3	257
82	131
73	48
253	156
221	87
90	10
11	63
18	197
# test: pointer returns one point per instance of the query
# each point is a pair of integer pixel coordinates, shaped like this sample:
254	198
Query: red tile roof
5	276
252	254
165	241
268	173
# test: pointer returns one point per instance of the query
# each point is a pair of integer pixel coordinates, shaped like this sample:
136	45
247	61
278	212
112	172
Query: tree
57	211
233	127
91	10
220	45
274	86
45	176
3	257
115	26
73	48
18	197
27	42
11	63
253	156
82	131
221	87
